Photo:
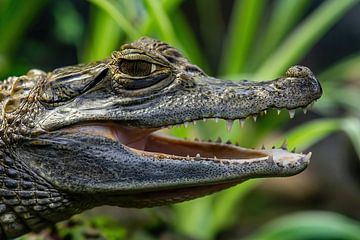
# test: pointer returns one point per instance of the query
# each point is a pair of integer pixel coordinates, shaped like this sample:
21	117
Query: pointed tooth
215	157
311	105
188	157
304	110
216	120
242	122
263	147
169	127
197	156
273	147
228	142
307	157
186	124
265	112
293	151
196	139
229	124
284	146
278	111
271	158
255	118
204	119
237	144
292	113
210	140
218	140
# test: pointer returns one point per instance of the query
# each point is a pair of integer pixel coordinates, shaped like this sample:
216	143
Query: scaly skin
84	136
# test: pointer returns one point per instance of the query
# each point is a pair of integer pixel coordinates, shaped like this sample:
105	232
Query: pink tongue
132	137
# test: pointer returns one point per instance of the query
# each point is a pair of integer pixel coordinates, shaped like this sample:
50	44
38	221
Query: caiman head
92	131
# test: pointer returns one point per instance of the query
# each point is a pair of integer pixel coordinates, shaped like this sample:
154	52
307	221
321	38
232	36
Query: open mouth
156	143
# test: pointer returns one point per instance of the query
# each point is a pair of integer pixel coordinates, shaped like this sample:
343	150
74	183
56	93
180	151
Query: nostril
299	72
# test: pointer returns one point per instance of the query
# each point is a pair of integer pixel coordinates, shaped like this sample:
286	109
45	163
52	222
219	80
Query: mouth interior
151	142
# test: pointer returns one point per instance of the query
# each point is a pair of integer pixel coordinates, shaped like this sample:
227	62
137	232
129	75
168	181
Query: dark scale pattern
25	202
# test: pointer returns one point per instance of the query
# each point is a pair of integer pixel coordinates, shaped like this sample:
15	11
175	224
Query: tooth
293	151
273	147
194	123
263	147
197	156
229	124
188	157
242	122
292	113
196	139
311	105
236	144
284	146
216	120
228	142
209	140
305	110
255	118
218	140
186	124
270	158
215	157
307	157
204	119
278	111
169	127
265	112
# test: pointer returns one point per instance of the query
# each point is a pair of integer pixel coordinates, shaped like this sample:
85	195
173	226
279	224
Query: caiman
87	135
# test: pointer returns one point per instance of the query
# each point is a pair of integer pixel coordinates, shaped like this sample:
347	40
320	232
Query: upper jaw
207	98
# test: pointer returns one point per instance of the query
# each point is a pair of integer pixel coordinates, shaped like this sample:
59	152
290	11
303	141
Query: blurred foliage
254	47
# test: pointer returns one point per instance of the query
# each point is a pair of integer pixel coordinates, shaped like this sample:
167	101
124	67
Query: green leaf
277	28
240	37
342	70
304	37
194	218
309	225
103	38
351	126
157	12
120	19
311	132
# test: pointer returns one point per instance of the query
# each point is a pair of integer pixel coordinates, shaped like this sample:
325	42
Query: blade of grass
111	9
304	37
309	133
283	17
194	218
210	15
309	225
227	202
244	20
158	13
20	12
168	6
351	127
189	42
342	70
103	38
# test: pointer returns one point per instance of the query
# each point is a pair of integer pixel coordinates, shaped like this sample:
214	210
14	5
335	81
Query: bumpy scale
86	135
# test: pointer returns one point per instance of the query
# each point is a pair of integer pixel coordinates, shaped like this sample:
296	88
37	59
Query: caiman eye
137	68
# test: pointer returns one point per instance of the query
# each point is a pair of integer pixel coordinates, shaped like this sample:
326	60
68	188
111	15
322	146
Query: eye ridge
136	68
